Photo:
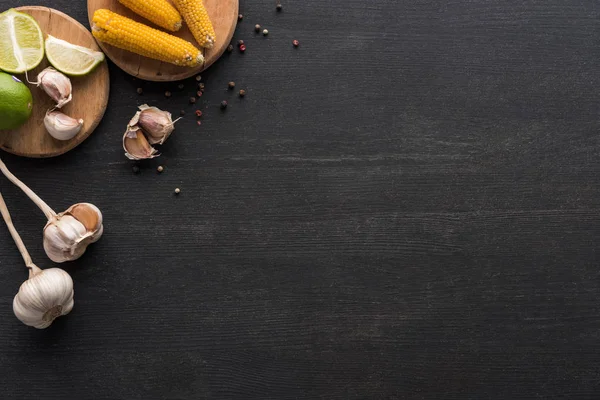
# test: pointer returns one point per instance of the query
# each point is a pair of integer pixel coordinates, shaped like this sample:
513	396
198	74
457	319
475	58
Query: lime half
71	59
21	42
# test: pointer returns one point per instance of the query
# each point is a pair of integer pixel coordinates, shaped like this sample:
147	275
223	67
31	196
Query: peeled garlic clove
61	126
67	236
136	145
44	297
56	85
156	123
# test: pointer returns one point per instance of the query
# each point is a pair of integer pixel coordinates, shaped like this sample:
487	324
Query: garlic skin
61	126
156	123
136	145
42	298
56	85
67	236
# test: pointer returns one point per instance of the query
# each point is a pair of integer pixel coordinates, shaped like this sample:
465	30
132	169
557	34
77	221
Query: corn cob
161	12
196	17
124	33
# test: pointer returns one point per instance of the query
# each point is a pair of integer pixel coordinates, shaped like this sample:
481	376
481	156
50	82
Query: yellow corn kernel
124	33
196	17
160	12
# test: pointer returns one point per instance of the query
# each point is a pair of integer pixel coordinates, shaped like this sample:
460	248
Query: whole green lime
16	102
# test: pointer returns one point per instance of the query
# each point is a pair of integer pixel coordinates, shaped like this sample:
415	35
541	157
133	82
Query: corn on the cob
161	12
196	17
124	33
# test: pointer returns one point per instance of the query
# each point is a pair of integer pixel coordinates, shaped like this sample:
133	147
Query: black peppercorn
231	85
279	7
240	17
240	42
136	169
242	93
167	94
230	48
257	28
223	105
192	100
140	90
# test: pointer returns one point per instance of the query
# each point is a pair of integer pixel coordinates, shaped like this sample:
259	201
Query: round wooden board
223	14
90	93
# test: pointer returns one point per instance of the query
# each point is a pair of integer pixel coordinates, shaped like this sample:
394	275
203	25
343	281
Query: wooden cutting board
90	93
223	14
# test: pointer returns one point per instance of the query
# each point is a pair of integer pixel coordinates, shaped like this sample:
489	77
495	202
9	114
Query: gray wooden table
404	207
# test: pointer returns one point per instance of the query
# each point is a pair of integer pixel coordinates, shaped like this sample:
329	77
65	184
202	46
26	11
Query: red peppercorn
296	43
198	113
199	123
199	93
243	48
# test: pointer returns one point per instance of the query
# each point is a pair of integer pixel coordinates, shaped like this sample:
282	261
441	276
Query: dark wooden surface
405	207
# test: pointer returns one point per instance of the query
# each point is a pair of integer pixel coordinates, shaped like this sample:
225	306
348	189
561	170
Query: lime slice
71	59
21	42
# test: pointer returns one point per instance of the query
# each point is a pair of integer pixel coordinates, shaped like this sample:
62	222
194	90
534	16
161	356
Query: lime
21	42
71	59
16	102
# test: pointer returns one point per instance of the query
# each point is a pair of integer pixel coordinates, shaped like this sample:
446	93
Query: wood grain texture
223	14
406	206
90	93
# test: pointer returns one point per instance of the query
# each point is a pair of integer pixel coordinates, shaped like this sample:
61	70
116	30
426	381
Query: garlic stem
48	212
33	269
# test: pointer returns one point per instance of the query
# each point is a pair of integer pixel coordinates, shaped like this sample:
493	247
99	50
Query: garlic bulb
48	294
67	235
56	85
136	145
156	123
61	126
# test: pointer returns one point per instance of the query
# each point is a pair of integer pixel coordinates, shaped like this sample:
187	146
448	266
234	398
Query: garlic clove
156	123
56	85
88	214
44	297
136	145
61	126
67	236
